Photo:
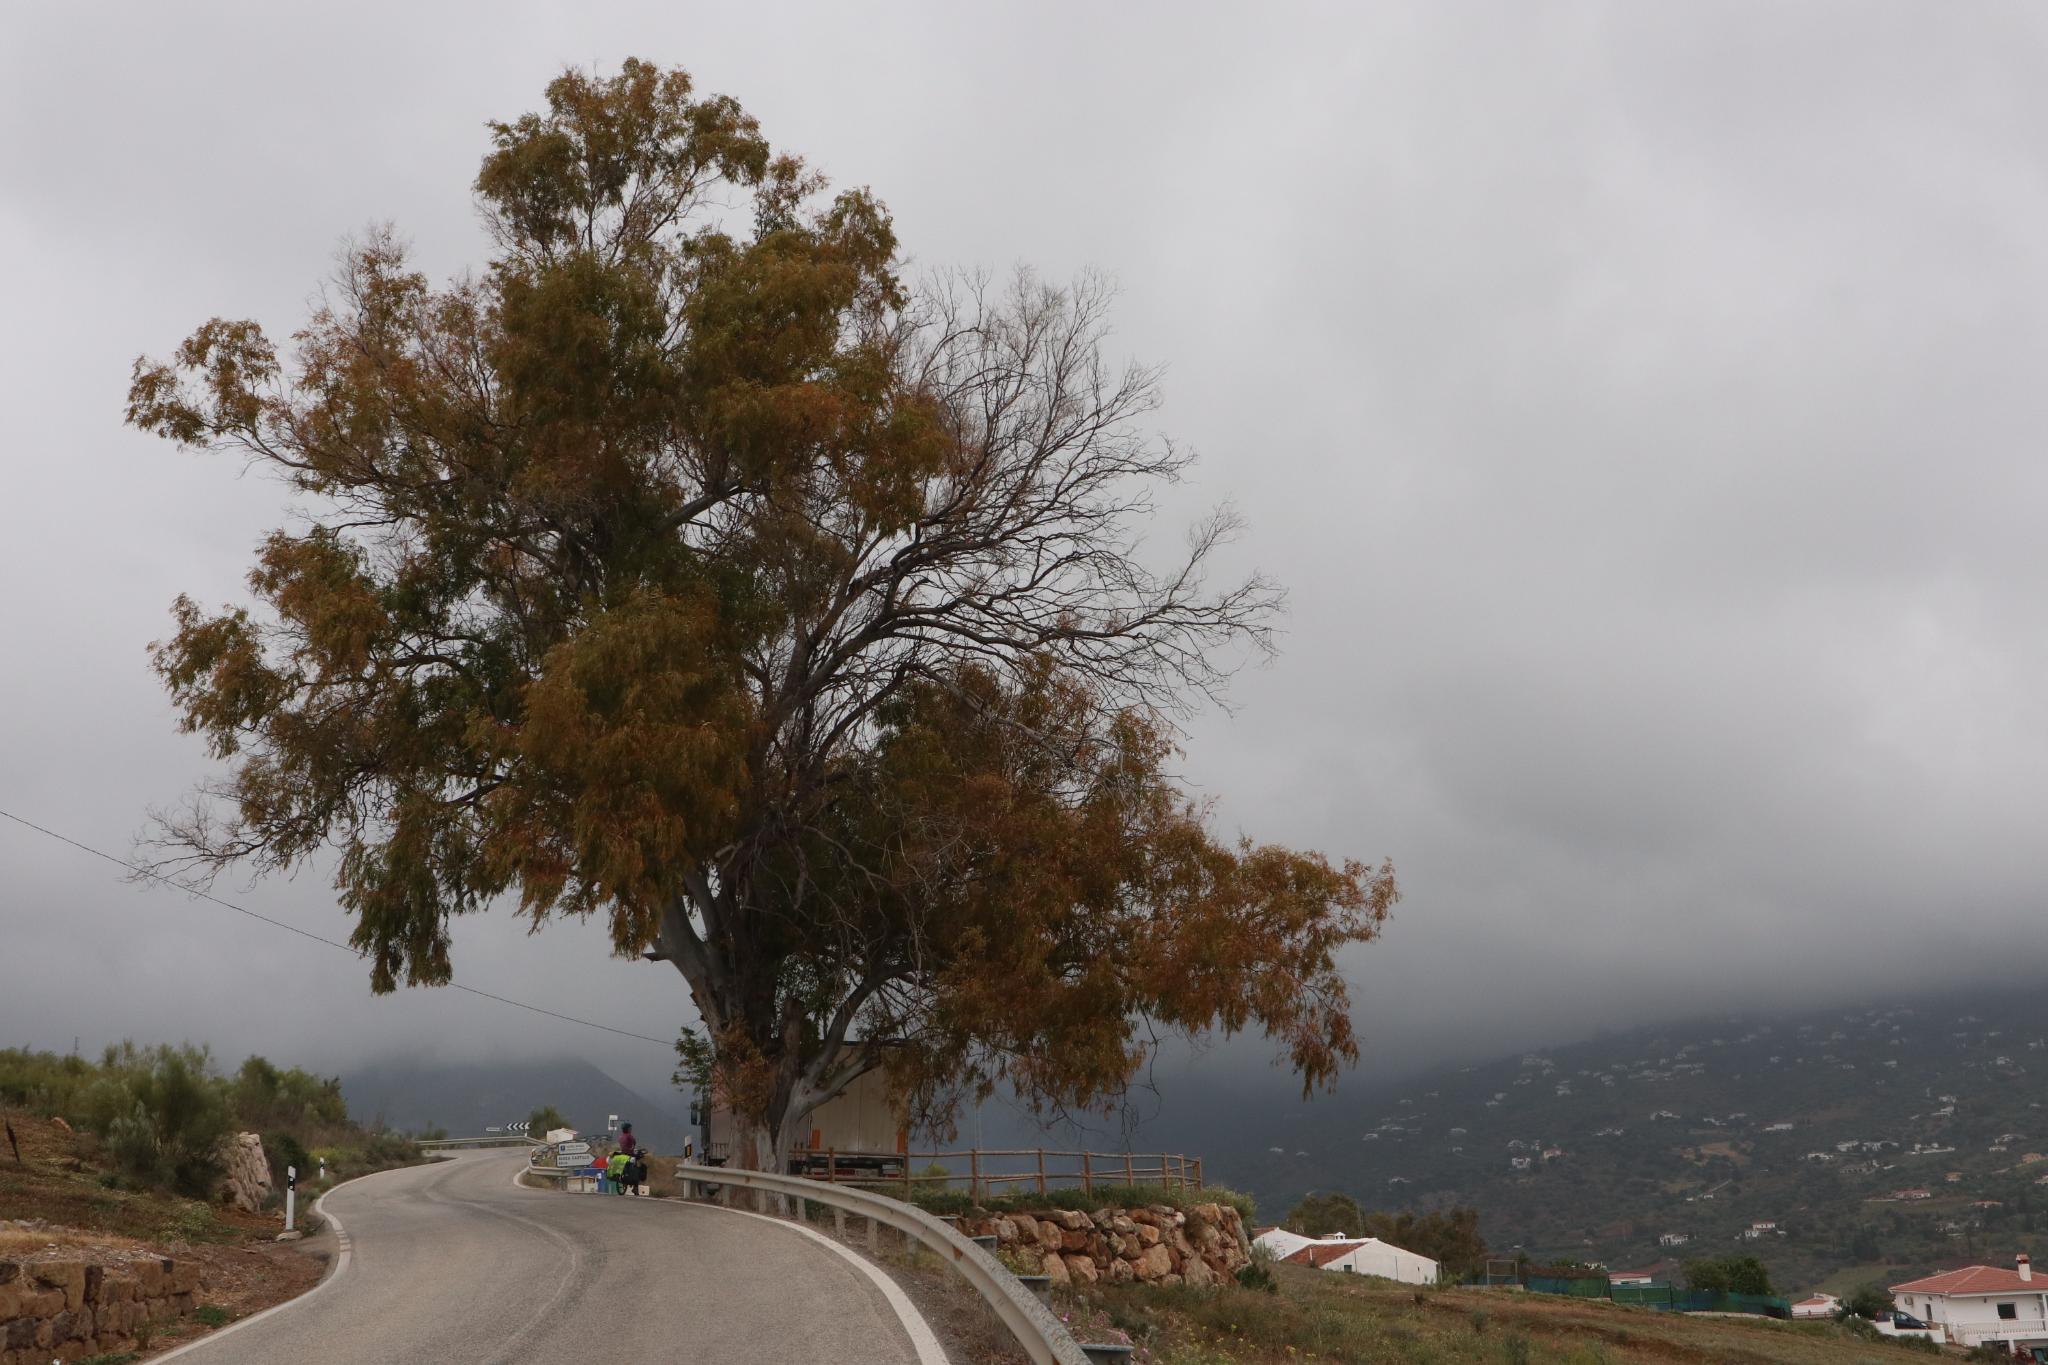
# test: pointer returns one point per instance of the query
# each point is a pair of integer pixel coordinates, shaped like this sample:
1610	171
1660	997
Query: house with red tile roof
1816	1306
1366	1256
1983	1303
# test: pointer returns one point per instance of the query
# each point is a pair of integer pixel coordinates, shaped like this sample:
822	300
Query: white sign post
611	1123
291	1196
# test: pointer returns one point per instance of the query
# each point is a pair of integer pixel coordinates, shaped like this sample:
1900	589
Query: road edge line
343	1255
923	1340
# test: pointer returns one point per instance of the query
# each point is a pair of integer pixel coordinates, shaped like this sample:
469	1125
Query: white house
1816	1306
1982	1303
1366	1256
1280	1242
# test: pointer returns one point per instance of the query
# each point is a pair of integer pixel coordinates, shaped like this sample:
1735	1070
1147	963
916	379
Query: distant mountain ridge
1811	1122
467	1098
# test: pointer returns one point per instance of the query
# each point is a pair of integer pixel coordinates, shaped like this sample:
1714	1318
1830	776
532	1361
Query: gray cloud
1639	401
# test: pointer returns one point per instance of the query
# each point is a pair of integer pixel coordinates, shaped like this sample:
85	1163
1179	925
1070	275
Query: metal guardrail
1037	1329
463	1144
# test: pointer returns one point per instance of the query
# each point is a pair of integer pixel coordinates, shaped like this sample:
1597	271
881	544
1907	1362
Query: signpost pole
291	1196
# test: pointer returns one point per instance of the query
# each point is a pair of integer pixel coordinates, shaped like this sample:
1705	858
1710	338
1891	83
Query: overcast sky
1640	401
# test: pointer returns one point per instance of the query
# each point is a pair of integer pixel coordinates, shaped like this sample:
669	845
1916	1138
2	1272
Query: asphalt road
454	1263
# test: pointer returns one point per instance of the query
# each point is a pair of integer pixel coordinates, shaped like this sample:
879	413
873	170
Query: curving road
454	1263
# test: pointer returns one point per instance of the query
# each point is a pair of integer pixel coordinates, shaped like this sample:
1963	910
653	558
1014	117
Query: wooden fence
980	1171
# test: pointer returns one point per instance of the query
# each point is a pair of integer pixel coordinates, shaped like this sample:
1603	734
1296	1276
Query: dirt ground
58	1203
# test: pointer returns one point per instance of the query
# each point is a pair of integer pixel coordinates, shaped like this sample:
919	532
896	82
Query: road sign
572	1153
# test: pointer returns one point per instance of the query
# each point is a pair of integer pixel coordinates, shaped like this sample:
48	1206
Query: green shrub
212	1314
1255	1275
283	1151
192	1223
1514	1350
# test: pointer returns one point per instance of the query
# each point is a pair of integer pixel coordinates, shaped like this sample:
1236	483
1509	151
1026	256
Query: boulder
245	1172
1081	1270
1055	1270
1120	1272
1148	1235
1197	1273
1155	1264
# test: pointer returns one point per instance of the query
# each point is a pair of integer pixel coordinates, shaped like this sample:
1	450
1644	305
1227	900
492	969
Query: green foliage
1320	1215
265	1098
211	1314
1257	1274
1868	1299
1728	1275
543	1120
284	1151
193	1222
163	1115
1514	1349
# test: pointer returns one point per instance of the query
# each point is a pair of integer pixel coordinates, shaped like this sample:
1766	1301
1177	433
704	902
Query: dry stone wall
68	1310
1201	1245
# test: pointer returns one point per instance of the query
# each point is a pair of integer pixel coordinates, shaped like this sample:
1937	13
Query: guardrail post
839	1222
874	1234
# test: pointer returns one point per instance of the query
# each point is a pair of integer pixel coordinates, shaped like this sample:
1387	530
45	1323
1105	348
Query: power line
307	933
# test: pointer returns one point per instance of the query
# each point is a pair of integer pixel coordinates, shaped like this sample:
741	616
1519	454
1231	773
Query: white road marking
341	1259
922	1339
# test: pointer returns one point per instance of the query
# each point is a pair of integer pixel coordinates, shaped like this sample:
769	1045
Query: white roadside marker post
291	1196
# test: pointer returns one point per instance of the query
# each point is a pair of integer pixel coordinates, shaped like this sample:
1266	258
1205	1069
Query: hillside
1319	1316
1813	1122
468	1098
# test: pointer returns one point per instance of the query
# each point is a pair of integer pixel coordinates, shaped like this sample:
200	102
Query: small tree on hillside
690	569
1868	1299
545	1120
1320	1215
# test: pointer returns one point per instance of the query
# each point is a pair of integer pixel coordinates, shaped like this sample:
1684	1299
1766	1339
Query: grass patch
1319	1316
211	1314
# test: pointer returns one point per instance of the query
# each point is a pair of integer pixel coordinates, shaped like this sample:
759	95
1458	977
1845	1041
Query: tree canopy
1729	1275
687	567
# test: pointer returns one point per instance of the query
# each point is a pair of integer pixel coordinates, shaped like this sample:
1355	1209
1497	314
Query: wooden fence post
974	1173
1041	1170
1087	1174
1128	1181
